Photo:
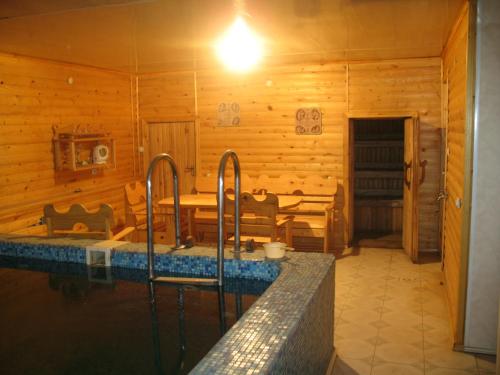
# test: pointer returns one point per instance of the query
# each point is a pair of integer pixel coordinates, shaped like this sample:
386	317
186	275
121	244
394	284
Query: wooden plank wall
34	96
455	74
266	141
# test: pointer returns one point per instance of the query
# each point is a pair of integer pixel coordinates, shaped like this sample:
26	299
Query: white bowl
275	250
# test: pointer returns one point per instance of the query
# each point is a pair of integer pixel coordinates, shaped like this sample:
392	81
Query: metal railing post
149	208
220	211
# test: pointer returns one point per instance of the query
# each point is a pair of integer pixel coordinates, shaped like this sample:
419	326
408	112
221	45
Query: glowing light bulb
240	48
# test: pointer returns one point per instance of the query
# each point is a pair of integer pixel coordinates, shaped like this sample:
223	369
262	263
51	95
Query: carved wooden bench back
97	224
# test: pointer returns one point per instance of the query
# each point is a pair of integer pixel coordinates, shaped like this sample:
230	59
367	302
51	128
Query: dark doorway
378	169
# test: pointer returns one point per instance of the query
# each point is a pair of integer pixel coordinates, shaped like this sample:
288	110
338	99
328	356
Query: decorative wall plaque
228	114
308	121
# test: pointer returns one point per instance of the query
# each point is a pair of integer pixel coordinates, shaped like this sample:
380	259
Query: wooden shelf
75	152
378	169
369	166
379	143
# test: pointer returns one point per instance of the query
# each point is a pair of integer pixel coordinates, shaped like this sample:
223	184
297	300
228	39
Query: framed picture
308	121
228	114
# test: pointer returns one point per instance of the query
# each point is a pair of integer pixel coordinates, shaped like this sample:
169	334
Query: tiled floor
391	318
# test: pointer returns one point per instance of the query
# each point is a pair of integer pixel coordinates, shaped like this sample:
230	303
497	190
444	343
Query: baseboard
331	364
469	349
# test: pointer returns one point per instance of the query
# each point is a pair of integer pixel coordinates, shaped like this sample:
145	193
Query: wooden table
193	201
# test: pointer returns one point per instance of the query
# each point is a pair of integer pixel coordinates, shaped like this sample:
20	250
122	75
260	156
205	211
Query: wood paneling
266	141
455	77
35	95
167	97
380	216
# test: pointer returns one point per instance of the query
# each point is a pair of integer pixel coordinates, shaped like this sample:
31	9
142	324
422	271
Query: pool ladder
219	281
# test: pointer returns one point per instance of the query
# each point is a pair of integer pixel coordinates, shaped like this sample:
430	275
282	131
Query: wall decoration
308	121
78	148
228	114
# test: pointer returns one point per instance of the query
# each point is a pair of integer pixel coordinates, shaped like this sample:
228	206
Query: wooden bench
79	222
313	217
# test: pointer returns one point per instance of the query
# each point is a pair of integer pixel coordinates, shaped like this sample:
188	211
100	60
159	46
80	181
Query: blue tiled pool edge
289	329
196	261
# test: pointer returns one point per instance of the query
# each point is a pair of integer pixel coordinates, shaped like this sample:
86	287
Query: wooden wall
455	78
266	141
35	96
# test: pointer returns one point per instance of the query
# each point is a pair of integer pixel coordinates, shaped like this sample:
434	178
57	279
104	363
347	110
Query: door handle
441	196
407	180
190	169
423	163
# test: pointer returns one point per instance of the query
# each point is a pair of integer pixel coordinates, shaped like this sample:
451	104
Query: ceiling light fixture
240	48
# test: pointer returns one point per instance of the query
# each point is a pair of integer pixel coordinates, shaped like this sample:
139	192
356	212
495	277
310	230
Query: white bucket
275	250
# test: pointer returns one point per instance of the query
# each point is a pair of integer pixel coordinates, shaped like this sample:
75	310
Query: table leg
191	222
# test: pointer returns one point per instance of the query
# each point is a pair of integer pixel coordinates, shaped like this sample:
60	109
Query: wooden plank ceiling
149	36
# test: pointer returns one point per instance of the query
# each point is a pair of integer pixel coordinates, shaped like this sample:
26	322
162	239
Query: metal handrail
220	218
149	208
220	211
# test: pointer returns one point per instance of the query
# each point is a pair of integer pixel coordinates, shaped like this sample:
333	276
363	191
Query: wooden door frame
470	111
348	165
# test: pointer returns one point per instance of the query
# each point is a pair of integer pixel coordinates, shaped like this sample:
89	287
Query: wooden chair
81	223
135	204
258	219
135	214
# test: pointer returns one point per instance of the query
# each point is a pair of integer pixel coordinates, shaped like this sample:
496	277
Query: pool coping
259	342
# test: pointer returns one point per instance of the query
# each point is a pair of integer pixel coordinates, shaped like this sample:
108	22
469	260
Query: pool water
53	321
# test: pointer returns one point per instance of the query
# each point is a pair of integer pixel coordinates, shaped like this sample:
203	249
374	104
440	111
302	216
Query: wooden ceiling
157	35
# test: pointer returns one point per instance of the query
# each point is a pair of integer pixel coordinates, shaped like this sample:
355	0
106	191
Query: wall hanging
308	121
228	114
80	149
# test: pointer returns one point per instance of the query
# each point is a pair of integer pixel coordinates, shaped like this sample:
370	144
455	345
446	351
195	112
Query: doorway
378	182
383	183
178	139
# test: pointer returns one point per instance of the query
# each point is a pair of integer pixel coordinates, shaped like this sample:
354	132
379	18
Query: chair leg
289	234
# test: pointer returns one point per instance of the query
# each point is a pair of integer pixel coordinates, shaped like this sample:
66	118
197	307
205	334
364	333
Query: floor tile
348	366
360	316
354	349
397	352
437	338
393	318
437	309
356	331
403	319
442	357
435	323
449	371
396	369
486	363
403	335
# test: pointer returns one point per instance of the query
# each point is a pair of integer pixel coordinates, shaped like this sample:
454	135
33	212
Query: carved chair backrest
80	222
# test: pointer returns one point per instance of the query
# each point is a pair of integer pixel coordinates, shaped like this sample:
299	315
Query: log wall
35	95
266	141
